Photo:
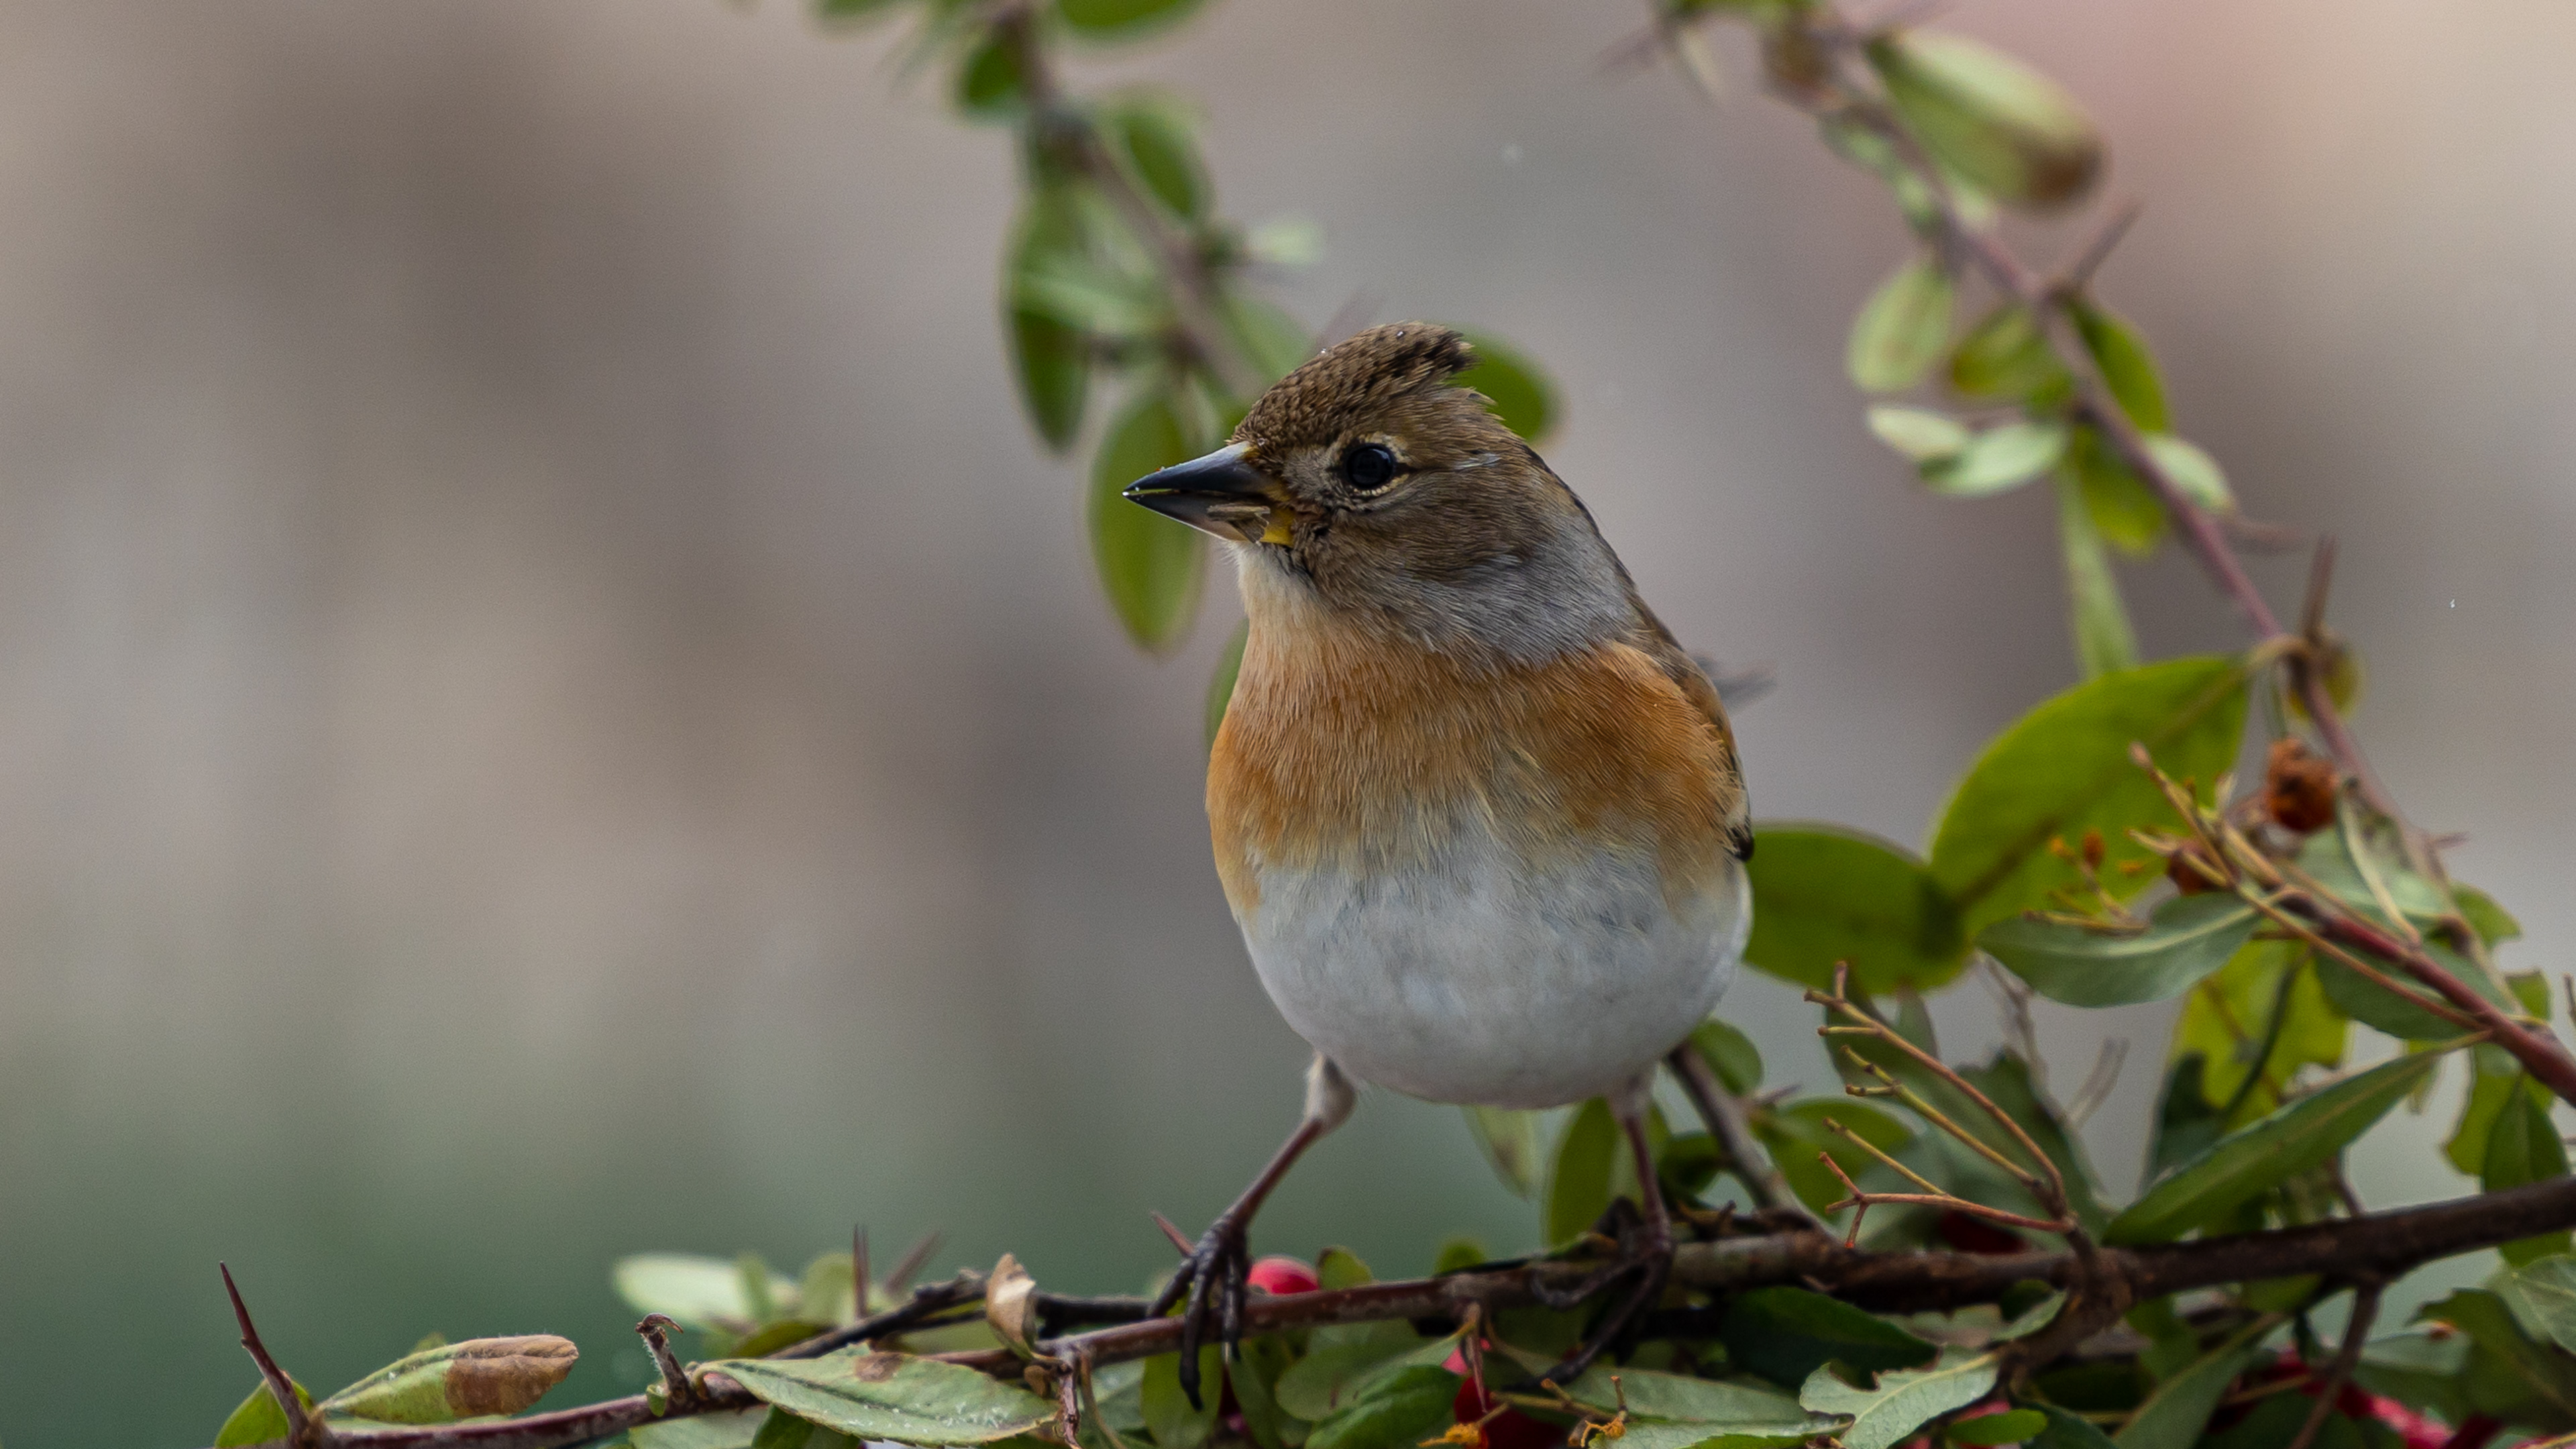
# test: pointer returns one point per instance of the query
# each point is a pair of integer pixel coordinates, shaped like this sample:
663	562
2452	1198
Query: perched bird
1478	815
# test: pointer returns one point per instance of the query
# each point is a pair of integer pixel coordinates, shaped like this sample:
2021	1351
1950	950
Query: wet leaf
2006	357
1509	1139
2064	769
2104	641
1729	1053
2128	368
459	1381
1998	460
1122	19
892	1396
2302	1136
1822	895
1902	1401
2007	129
1921	434
1519	392
2186	938
1786	1334
1901	330
1150	565
1579	1176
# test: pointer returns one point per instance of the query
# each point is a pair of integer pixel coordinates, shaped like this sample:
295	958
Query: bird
1479	817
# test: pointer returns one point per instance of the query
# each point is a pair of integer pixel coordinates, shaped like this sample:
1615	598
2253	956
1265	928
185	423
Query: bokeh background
549	705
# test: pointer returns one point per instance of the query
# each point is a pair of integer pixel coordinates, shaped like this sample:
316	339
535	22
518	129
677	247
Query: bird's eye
1369	466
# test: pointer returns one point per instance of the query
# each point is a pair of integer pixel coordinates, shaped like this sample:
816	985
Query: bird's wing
1658	644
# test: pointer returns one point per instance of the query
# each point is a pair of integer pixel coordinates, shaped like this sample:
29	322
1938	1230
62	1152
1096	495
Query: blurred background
550	706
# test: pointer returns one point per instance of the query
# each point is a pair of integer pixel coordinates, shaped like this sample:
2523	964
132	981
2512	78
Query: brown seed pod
2299	787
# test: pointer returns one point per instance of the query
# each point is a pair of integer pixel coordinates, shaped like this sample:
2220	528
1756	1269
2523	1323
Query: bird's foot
1211	1284
1645	1254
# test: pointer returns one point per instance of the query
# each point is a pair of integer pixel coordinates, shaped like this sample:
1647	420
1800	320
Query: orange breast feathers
1346	752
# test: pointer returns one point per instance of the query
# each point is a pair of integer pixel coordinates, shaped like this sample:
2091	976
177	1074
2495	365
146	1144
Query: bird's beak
1222	494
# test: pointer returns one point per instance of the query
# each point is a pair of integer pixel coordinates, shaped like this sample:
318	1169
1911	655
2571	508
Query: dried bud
1995	122
2093	849
459	1381
2191	875
1011	1305
2299	787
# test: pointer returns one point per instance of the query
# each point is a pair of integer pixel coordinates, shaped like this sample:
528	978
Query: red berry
1280	1276
1510	1429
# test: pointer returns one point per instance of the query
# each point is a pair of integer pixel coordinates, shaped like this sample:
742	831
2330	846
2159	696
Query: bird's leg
1647	1252
1213	1275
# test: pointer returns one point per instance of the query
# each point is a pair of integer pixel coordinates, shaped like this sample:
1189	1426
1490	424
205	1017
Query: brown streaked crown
1348	386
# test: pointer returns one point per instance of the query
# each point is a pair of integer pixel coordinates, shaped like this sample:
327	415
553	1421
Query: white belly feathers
1486	979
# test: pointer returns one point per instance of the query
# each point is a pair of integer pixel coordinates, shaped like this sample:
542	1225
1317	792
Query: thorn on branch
2097	248
912	1260
301	1428
1179	1240
859	1272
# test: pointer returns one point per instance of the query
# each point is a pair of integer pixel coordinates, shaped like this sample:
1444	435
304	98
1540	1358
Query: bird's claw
1645	1254
1214	1280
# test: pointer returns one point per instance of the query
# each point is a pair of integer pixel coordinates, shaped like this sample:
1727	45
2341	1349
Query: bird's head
1365	482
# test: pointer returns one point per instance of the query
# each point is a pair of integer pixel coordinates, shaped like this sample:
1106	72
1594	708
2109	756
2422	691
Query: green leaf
1154	135
1150	565
1122	19
1395	1411
1578	1179
1509	1139
892	1396
2006	357
2104	641
2186	938
2542	1293
1708	1407
2422	1372
2128	368
1169	1416
2176	1414
1921	434
2194	472
1997	460
1273	340
1729	1053
2523	1147
2493	1079
1795	1134
1254	1377
1822	894
1902	1401
2492	923
2006	128
1786	1334
459	1380
693	1291
258	1419
2262	1012
1338	1268
2186	1124
1902	328
1229	664
2397	1014
852	9
2064	769
2007	1082
2125	511
705	1431
2304	1135
989	84
2068	1430
1330	1378
1052	363
1519	392
783	1430
2009	1427
2526	1382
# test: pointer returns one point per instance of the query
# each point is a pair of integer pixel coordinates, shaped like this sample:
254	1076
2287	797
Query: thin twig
301	1428
2356	1333
2097	1085
1724	1118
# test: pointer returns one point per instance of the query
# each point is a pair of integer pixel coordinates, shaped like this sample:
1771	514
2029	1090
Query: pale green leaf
892	1396
1998	460
2186	938
1901	330
1902	1400
2104	641
1921	434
